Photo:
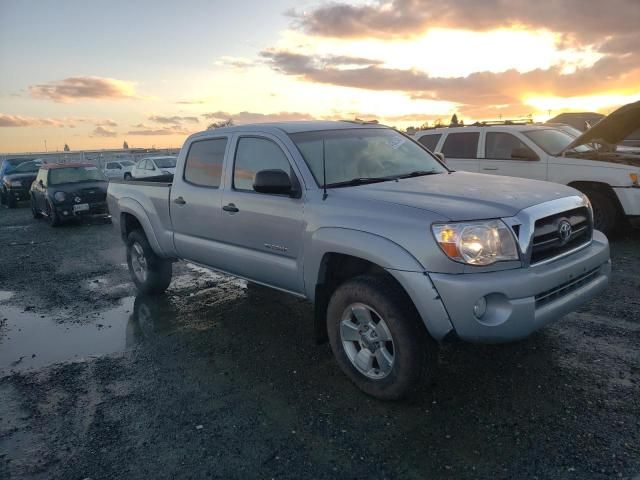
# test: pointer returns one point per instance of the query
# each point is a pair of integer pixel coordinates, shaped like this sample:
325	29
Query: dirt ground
218	379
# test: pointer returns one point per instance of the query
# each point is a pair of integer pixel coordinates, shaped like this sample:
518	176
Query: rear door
263	232
196	202
508	153
460	149
113	170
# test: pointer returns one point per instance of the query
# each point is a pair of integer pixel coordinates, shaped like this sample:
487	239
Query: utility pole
45	145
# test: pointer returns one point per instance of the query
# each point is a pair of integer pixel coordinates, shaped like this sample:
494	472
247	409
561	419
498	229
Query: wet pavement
220	379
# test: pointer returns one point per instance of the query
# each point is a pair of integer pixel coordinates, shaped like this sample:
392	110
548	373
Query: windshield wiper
360	181
418	173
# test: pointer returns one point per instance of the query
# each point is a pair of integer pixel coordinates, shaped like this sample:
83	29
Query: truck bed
148	201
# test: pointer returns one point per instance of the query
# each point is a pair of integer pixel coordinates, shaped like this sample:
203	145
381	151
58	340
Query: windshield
74	175
362	154
27	167
554	141
169	162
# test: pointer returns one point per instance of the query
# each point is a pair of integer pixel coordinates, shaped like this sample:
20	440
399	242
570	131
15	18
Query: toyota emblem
564	231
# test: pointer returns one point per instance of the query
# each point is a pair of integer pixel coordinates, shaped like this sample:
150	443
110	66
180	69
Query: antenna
324	173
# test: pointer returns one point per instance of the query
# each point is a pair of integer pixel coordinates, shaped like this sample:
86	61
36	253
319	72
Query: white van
610	180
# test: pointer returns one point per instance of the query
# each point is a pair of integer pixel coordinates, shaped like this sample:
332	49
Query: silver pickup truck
397	252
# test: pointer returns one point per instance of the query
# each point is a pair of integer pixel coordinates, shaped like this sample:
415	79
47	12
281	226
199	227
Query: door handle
491	169
180	201
230	208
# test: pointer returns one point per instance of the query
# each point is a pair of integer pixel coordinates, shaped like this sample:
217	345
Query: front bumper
19	194
518	302
629	199
65	211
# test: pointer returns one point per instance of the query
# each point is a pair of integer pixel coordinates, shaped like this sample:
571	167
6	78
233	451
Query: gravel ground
218	379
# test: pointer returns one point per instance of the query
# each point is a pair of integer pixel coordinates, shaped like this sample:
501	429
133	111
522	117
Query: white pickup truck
611	180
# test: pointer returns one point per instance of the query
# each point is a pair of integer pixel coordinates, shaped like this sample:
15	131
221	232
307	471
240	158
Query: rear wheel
150	273
378	339
127	176
606	215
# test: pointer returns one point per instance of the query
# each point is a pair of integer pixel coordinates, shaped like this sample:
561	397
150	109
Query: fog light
480	308
65	213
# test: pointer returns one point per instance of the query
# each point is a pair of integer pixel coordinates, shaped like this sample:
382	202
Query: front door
506	154
460	150
196	203
263	232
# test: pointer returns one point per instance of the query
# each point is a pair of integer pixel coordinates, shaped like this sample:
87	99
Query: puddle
28	341
5	295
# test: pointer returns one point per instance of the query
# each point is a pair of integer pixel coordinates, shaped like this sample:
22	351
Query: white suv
610	180
154	167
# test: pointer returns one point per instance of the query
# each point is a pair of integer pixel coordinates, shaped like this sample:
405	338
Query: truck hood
613	128
461	195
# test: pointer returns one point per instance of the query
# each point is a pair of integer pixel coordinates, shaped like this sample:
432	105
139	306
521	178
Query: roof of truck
294	127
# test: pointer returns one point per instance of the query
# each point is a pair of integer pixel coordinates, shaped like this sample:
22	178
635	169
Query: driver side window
255	154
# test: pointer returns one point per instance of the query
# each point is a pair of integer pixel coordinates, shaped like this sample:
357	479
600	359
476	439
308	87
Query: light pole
45	145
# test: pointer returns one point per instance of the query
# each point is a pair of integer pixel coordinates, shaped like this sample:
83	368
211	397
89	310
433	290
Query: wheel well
335	269
128	223
603	188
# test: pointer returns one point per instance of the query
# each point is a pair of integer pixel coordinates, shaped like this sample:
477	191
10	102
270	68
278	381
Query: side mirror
523	154
272	181
440	156
41	183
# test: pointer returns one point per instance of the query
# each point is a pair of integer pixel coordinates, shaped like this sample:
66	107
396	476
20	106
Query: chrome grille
547	241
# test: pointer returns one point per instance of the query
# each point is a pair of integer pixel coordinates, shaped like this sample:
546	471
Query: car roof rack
520	121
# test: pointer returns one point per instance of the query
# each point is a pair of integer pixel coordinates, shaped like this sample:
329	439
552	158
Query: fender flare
368	246
133	207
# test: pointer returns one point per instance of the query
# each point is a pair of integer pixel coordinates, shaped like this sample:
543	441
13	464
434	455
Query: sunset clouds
79	88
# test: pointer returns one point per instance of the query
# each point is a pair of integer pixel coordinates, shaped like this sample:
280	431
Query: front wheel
150	273
34	210
127	176
605	212
52	213
378	339
11	201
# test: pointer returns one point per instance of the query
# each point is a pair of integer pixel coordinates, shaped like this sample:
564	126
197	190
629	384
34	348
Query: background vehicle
609	179
396	252
15	185
8	164
68	191
154	167
120	169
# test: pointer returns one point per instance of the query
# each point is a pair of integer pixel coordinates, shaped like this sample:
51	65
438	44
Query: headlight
477	243
634	179
59	196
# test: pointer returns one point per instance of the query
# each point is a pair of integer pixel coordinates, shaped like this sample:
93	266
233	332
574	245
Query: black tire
158	270
34	211
606	216
54	218
127	176
415	353
11	202
2	197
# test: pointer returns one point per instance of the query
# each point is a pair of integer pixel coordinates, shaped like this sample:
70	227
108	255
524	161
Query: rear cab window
203	165
461	145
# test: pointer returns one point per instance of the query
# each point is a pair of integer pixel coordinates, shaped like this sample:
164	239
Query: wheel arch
132	216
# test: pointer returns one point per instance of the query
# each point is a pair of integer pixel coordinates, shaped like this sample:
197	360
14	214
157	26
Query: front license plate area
82	207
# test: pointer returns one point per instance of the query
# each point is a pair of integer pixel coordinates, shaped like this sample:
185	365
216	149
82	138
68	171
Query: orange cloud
103	132
75	88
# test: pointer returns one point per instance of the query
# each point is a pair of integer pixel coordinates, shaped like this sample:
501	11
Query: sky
92	74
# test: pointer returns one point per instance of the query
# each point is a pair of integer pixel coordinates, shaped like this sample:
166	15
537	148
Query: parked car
68	191
8	164
609	179
119	169
15	186
154	167
396	251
